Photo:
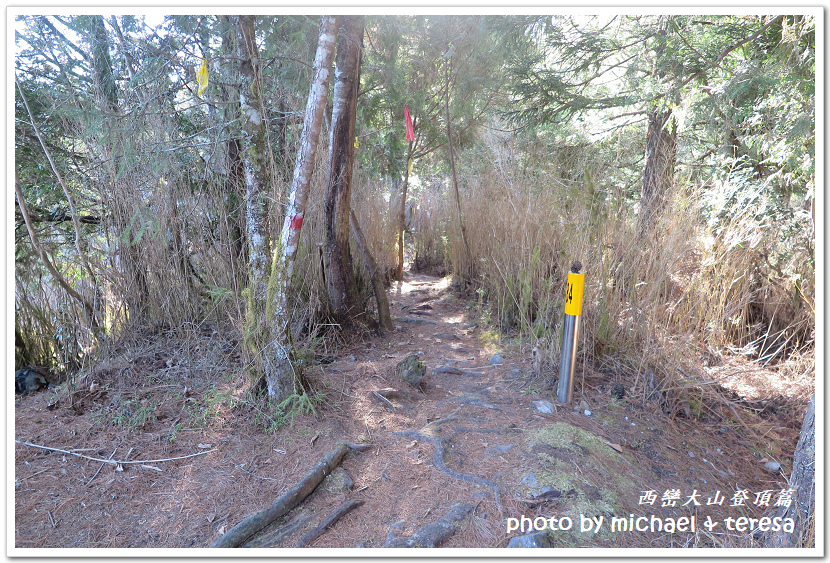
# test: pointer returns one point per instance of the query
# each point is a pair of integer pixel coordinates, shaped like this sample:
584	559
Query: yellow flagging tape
202	77
573	295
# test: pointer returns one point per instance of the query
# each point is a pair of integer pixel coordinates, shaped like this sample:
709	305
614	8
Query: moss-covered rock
412	370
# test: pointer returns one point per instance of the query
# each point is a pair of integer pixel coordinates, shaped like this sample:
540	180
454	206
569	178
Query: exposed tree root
273	539
488	430
434	533
438	461
328	521
240	533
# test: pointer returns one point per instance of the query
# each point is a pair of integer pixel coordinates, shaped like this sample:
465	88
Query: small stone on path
498	450
530	480
538	540
545	407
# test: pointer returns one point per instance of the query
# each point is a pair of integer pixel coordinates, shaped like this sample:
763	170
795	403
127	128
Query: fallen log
328	521
240	533
434	533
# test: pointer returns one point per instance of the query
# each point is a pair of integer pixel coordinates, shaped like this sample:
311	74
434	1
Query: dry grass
656	307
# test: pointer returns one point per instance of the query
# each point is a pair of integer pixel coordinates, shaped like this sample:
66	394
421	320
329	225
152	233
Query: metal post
573	310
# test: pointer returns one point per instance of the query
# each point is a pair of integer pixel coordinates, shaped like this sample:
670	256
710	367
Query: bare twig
101	467
254	474
32	475
112	461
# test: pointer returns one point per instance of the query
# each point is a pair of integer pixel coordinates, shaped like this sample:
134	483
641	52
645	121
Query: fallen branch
384	401
432	534
113	461
240	533
328	521
100	467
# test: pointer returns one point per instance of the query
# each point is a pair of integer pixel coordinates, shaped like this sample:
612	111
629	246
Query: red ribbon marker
410	131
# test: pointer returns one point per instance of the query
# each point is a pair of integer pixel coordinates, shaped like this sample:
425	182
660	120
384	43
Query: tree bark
281	372
340	278
658	175
259	325
803	482
252	152
329	521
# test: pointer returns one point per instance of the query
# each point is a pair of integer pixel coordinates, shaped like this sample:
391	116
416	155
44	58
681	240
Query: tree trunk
253	152
258	325
469	257
281	372
803	485
104	81
136	288
384	315
340	278
402	211
658	175
233	230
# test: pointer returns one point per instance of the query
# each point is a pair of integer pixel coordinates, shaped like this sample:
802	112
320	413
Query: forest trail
472	433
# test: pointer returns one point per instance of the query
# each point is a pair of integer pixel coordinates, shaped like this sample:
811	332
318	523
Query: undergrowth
713	276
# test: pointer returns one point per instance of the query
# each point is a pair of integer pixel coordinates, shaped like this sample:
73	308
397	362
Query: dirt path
470	434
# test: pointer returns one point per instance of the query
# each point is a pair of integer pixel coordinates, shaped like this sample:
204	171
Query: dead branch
240	533
434	533
384	401
114	462
100	467
328	521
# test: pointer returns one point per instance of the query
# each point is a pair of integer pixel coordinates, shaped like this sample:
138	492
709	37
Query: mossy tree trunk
282	374
252	149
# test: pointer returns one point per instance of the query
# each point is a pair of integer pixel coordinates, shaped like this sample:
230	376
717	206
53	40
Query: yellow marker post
573	310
